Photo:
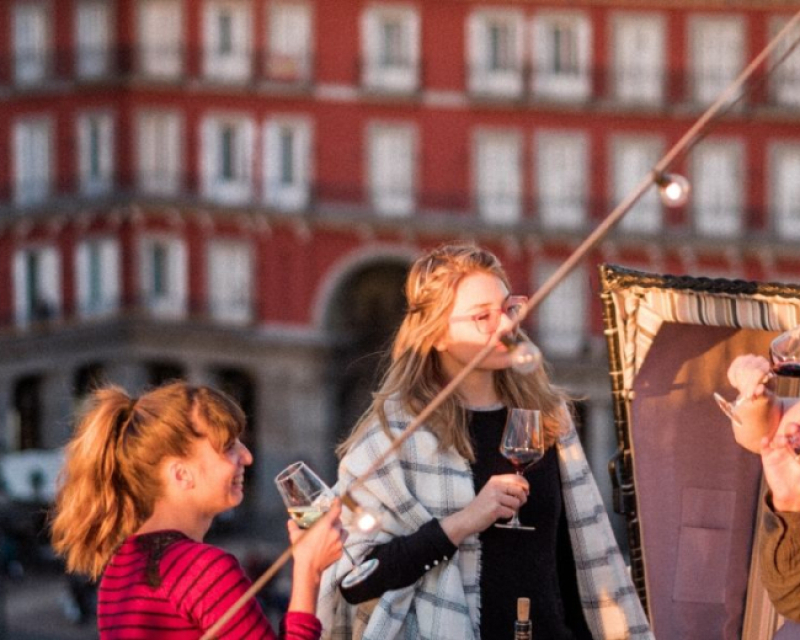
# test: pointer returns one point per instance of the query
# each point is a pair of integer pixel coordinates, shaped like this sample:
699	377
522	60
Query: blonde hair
415	375
110	480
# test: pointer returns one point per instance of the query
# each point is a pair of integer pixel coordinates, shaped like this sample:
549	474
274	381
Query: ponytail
94	510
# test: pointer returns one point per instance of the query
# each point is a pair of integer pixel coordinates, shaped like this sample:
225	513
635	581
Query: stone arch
363	311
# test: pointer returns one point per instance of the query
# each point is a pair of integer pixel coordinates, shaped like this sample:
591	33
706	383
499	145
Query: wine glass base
360	573
519	527
727	408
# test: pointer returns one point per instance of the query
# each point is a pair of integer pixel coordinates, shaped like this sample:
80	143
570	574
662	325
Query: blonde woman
143	480
445	572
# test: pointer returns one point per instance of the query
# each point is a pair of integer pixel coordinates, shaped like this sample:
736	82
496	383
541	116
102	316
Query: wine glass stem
347	553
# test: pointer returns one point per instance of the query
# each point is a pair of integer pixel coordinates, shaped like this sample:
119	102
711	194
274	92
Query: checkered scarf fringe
419	483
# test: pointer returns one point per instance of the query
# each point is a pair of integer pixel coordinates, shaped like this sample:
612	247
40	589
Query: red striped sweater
165	585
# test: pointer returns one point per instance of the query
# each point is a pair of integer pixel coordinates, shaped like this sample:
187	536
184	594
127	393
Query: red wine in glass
522	444
784	355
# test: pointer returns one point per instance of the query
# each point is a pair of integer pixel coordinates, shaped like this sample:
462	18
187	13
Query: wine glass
784	355
308	498
523	444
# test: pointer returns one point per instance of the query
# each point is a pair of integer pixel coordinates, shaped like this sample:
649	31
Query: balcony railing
634	86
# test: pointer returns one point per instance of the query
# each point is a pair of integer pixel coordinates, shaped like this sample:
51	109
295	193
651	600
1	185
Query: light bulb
673	188
365	520
525	356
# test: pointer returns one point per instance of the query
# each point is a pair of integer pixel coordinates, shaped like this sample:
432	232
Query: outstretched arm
780	552
315	550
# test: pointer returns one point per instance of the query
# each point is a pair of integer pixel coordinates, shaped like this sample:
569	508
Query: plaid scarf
419	483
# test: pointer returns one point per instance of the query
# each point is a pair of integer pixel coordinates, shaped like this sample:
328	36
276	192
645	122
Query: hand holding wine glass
751	376
307	498
523	444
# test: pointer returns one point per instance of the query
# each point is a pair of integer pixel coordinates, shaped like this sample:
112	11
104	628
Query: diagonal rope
685	143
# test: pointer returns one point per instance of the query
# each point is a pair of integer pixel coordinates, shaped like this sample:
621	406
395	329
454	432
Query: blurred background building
231	191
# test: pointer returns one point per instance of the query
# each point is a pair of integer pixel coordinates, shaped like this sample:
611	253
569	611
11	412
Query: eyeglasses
488	320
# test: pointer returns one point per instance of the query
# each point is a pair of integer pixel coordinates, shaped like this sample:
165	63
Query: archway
365	313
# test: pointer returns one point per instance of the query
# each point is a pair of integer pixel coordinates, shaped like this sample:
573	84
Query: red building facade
231	190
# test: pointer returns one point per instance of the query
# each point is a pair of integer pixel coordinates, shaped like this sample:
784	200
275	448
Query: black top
535	564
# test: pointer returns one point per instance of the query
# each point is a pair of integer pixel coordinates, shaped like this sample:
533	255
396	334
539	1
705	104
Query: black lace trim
154	545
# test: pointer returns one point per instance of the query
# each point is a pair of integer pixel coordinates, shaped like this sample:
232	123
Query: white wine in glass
523	444
307	499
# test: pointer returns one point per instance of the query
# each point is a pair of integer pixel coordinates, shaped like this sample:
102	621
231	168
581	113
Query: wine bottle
523	629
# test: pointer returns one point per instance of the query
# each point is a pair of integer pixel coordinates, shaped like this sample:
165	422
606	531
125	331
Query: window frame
385	199
487	207
223	307
396	78
482	78
549	82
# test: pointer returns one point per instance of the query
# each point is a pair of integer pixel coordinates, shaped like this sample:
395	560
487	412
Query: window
33	158
716	50
563	315
287	144
785	78
390	166
499	180
97	269
633	158
495	52
93	27
163	273
718	186
96	153
784	195
638	41
230	274
37	285
226	46
160	38
227	159
561	55
159	152
561	178
290	41
390	43
32	44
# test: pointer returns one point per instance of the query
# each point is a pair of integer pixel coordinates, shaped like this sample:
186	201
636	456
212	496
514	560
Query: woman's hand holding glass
325	541
499	499
308	498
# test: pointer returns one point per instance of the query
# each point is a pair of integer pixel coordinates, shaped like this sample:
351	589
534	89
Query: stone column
131	376
58	407
6	409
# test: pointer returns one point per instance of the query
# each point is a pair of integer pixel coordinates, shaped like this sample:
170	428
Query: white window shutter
499	180
93	27
160	24
561	172
50	274
477	50
111	276
632	160
290	40
717	200
22	305
371	38
178	270
391	166
562	318
82	276
209	156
